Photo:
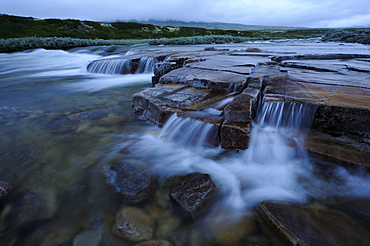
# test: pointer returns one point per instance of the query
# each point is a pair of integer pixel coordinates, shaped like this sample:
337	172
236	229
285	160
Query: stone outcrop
337	83
132	179
215	80
194	194
298	225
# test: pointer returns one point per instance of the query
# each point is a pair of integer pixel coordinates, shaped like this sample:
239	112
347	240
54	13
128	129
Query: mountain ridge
214	25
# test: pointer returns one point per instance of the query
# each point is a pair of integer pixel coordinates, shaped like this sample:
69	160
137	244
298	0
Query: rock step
298	225
215	80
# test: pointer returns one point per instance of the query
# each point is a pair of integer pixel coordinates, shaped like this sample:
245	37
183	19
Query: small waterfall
110	66
187	131
278	135
146	65
122	66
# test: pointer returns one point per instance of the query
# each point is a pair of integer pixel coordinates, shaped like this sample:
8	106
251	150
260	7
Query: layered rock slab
203	78
299	225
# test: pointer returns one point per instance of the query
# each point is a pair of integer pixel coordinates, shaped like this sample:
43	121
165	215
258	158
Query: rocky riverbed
226	87
258	144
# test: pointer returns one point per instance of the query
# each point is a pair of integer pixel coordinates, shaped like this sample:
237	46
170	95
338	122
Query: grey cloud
311	13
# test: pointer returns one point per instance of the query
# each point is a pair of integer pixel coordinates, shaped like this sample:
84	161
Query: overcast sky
299	13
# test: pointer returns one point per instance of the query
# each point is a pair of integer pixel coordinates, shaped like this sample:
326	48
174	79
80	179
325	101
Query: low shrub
20	44
208	39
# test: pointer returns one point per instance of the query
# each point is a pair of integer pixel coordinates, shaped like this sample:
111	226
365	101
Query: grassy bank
20	44
21	27
21	33
361	36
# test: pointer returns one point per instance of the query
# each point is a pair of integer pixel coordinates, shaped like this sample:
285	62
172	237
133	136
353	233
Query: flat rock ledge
233	83
299	225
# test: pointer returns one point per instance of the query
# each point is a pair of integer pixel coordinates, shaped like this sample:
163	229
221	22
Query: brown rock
32	207
132	179
216	80
242	107
133	224
194	194
299	225
235	135
234	234
154	243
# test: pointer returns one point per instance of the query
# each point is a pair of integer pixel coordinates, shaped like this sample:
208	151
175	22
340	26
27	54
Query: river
61	127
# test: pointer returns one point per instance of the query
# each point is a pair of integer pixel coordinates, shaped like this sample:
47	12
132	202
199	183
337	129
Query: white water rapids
274	167
61	125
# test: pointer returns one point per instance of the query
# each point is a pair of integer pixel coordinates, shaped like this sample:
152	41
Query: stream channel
62	127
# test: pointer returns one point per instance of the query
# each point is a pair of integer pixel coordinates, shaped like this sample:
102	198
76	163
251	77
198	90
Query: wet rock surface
30	208
5	188
133	224
336	82
154	243
298	225
132	179
194	194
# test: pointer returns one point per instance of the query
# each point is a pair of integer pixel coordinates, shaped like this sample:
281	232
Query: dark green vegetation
22	33
361	36
20	27
14	28
19	44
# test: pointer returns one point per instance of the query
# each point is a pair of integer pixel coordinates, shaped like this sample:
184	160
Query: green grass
22	33
20	44
361	36
20	27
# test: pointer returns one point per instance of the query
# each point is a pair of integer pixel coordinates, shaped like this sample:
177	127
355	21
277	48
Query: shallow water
61	127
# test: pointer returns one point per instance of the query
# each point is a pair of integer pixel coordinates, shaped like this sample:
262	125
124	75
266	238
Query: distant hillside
20	27
214	25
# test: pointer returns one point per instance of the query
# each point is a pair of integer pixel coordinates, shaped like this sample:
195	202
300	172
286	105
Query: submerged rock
32	207
298	225
132	179
133	224
87	238
154	243
5	188
234	233
195	193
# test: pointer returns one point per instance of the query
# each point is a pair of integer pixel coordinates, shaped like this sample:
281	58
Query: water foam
275	167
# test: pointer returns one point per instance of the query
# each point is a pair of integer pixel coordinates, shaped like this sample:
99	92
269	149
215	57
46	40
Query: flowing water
61	126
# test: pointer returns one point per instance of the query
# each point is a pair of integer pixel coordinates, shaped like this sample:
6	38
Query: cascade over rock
336	83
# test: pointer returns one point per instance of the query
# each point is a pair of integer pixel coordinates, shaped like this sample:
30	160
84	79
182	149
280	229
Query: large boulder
133	224
133	180
195	193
